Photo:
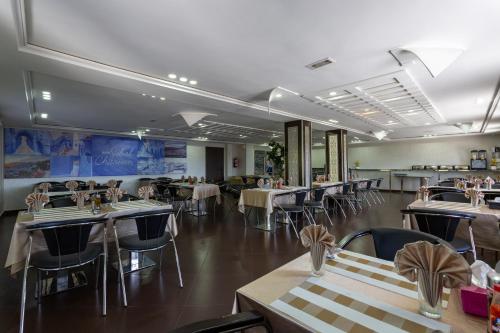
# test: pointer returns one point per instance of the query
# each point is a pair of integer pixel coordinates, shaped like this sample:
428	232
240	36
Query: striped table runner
325	307
376	272
457	206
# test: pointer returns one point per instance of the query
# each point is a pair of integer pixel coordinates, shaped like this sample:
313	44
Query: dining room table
266	199
356	293
52	194
485	227
330	187
200	192
19	243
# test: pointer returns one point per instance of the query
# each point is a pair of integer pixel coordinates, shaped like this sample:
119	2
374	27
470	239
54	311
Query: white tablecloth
331	187
265	198
19	242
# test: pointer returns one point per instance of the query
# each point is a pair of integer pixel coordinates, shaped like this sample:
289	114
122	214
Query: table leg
135	262
200	208
62	281
402	184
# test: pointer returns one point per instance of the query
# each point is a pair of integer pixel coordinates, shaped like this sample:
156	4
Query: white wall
404	154
235	151
318	157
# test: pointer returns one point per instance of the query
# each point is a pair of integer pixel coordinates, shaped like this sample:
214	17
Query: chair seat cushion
44	260
133	243
291	208
317	204
461	245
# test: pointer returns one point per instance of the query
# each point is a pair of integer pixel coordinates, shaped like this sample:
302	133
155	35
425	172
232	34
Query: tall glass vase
430	290
318	257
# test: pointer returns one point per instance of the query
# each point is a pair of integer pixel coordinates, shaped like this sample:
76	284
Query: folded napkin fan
145	192
114	192
111	183
44	187
434	266
316	234
36	198
71	185
80	195
91	184
260	183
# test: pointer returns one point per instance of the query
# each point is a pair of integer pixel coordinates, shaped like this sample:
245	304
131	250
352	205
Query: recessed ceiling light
427	124
208	132
193	82
153	96
358	88
279	95
479	101
332	93
143	94
46	95
356	138
147	130
172	76
318	97
133	132
183	79
162	98
333	121
323	138
369	112
44	115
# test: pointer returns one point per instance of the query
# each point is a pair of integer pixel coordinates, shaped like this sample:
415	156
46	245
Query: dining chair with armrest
295	208
387	241
59	202
152	234
237	322
450	196
317	201
442	224
67	247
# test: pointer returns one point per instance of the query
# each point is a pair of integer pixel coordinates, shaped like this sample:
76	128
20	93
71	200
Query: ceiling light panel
395	97
227	132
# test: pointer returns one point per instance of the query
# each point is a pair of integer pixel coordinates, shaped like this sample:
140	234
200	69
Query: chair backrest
151	225
345	188
454	197
379	181
300	197
369	184
496	186
66	237
318	193
388	241
439	223
160	187
447	183
61	202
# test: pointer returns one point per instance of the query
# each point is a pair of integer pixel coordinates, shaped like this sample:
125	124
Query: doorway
214	164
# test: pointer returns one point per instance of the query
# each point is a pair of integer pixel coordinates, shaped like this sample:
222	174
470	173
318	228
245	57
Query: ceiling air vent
321	63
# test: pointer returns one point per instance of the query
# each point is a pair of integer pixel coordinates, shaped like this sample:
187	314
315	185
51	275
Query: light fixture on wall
44	115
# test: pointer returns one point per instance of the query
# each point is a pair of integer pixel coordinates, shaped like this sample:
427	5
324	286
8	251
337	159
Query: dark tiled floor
217	257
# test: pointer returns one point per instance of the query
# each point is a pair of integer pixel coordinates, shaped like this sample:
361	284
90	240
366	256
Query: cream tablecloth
19	242
331	187
485	227
265	198
201	191
261	293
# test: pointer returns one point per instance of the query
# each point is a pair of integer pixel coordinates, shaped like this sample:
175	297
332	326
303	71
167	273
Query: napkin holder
474	301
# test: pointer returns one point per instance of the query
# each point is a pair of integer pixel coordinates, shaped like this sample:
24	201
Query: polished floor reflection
217	257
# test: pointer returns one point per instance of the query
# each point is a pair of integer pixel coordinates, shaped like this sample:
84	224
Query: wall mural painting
42	153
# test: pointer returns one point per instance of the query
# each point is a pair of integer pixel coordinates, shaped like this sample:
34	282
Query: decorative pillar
298	168
336	155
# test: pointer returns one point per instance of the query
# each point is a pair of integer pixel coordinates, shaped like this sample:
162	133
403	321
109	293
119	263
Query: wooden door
214	164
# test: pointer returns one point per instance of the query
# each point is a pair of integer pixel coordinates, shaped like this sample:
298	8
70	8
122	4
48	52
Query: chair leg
293	225
122	279
178	265
161	258
327	216
23	293
105	274
341	208
97	272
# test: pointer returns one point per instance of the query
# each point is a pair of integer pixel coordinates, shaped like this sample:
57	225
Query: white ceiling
97	57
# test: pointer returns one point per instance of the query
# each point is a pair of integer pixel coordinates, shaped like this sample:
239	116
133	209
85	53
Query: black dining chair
365	192
447	183
61	202
344	198
153	234
450	196
317	201
237	322
295	208
442	224
387	241
67	247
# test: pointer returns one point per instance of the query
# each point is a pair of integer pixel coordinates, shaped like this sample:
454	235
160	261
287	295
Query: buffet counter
412	179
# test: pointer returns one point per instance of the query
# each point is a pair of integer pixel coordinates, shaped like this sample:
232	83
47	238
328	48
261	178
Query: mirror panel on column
298	139
336	155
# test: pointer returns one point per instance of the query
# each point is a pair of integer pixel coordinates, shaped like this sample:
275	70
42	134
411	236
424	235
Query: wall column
336	155
298	168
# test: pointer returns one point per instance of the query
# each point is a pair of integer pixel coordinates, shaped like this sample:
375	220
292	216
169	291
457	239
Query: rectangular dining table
200	192
18	248
485	227
266	199
345	300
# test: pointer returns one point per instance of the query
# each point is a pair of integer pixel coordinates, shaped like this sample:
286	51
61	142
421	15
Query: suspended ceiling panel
390	101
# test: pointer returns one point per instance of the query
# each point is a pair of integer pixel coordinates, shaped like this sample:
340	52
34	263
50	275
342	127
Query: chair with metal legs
340	199
317	201
364	192
376	190
153	234
67	247
295	208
